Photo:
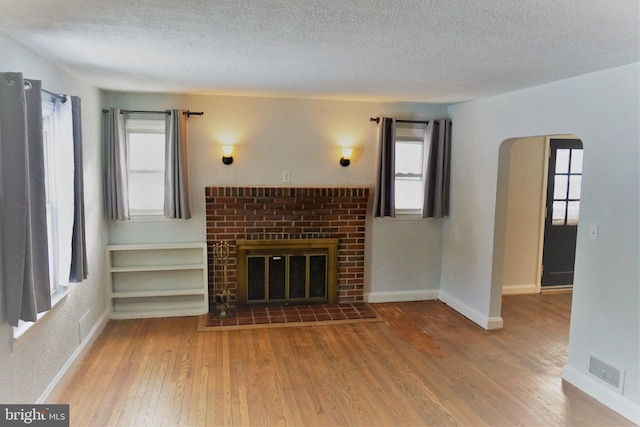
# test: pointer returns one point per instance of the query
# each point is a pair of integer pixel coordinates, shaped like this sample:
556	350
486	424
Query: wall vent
607	373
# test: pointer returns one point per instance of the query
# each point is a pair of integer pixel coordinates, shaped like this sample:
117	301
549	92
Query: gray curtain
116	185
176	175
79	270
437	141
25	258
384	203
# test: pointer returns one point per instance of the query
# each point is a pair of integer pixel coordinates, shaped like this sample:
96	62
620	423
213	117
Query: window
57	139
567	184
146	164
48	140
409	154
58	163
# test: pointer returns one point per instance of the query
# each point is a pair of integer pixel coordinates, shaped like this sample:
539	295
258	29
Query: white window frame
145	125
411	134
49	146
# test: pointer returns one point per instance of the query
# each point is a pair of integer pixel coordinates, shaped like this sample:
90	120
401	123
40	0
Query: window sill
404	217
408	215
26	329
150	218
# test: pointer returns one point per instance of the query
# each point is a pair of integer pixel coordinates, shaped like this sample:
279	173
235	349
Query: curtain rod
168	112
377	120
62	98
413	121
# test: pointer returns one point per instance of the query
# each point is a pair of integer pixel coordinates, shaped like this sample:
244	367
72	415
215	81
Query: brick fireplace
275	213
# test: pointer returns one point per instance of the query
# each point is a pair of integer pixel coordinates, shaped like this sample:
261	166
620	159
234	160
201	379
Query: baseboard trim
602	394
519	289
72	363
401	296
470	313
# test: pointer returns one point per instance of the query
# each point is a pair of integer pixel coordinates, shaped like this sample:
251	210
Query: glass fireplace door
287	278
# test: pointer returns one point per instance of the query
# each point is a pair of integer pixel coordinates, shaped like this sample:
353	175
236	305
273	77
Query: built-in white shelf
156	268
157	280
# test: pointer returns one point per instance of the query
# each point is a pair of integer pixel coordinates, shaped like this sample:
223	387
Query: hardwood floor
425	366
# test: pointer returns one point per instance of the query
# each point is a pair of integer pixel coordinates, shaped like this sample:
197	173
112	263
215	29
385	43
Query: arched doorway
522	215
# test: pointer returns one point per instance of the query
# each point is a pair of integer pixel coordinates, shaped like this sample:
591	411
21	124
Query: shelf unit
157	280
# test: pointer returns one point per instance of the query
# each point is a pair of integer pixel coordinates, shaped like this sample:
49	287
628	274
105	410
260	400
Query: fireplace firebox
286	271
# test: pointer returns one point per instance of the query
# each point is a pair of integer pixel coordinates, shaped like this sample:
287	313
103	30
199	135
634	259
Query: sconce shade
227	152
346	157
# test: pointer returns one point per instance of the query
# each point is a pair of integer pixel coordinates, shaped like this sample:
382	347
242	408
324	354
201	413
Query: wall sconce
227	152
345	160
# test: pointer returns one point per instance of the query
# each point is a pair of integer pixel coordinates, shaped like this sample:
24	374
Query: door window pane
562	160
576	161
558	214
572	213
575	185
560	187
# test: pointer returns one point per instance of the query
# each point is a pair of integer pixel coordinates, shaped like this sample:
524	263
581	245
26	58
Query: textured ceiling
381	50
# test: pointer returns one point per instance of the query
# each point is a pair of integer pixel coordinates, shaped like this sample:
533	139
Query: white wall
602	109
29	369
272	135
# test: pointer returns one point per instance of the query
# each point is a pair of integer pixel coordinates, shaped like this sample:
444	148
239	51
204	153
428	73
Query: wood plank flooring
426	365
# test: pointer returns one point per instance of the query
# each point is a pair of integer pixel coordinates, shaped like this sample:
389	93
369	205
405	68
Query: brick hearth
259	213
